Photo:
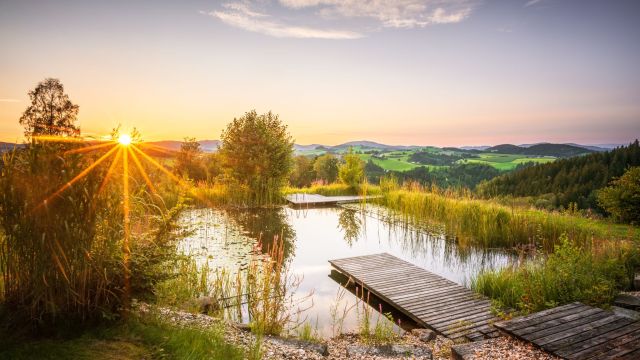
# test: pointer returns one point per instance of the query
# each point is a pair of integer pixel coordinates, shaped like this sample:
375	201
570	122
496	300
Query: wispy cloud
385	14
532	2
241	16
392	13
9	100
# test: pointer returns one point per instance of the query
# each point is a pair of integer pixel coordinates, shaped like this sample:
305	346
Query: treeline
565	181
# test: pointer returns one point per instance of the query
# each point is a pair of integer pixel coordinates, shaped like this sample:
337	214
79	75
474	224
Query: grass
486	223
137	338
571	273
506	162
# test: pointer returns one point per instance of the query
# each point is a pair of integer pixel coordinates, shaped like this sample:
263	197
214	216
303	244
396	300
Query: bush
569	274
622	197
352	171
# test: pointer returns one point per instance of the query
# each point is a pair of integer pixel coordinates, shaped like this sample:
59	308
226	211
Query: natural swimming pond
228	239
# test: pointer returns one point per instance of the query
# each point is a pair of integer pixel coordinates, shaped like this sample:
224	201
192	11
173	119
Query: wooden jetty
321	200
428	299
578	331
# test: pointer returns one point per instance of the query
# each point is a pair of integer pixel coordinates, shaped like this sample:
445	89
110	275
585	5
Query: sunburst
120	150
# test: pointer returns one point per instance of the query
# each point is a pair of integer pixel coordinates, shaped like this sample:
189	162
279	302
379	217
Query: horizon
418	72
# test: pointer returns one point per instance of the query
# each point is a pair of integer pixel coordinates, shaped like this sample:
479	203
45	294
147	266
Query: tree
326	167
351	171
257	152
189	160
303	173
622	197
51	112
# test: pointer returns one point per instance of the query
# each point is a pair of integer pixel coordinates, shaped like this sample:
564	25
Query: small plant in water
338	315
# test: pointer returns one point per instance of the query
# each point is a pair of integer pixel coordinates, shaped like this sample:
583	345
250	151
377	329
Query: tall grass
488	224
571	273
62	259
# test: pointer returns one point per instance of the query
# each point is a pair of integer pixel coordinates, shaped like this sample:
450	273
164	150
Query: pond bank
351	346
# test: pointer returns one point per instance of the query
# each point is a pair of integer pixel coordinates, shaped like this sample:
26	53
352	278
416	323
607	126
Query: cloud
532	2
392	13
9	100
383	14
240	15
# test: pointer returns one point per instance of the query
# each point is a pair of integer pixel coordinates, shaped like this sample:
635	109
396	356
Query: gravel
282	348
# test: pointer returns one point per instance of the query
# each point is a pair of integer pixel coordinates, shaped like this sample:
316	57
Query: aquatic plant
571	273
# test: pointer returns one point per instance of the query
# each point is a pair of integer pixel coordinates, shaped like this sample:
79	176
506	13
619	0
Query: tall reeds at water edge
488	224
61	257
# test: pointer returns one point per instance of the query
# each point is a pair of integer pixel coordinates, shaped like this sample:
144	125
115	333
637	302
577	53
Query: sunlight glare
124	139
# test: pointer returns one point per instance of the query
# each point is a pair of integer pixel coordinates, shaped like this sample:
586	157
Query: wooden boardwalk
428	299
321	200
578	331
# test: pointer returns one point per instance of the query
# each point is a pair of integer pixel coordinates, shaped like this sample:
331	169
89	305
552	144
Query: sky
412	72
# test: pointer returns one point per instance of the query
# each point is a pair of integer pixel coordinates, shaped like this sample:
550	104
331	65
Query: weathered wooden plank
506	325
572	328
552	324
616	323
548	317
431	300
578	351
609	348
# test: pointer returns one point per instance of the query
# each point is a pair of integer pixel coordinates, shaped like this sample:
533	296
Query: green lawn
505	162
397	163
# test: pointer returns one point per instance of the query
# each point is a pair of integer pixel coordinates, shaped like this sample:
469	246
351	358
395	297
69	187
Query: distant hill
174	145
542	149
5	146
565	181
372	145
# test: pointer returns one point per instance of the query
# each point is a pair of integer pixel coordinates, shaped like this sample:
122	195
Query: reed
63	257
571	273
488	224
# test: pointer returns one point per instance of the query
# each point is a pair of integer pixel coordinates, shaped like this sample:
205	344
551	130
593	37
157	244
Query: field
399	160
506	162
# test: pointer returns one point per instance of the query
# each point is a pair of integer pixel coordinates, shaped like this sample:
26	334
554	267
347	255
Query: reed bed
571	273
488	224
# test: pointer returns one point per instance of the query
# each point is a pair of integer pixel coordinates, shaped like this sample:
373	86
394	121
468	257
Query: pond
228	238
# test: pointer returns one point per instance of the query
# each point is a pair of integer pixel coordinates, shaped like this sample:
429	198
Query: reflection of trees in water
350	224
266	224
418	240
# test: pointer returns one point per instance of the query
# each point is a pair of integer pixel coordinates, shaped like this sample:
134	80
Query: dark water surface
227	239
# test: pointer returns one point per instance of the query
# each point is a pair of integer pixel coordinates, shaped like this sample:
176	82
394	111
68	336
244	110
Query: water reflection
349	222
228	239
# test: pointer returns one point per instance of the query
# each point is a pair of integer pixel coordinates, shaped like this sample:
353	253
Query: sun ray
54	138
127	227
78	177
110	171
157	148
159	166
142	171
89	148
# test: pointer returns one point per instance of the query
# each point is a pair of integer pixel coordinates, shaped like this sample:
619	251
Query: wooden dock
578	331
428	299
321	200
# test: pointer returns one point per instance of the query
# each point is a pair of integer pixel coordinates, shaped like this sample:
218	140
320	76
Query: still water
228	238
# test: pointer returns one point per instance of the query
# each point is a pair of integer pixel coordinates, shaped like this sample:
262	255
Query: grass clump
571	273
144	336
486	223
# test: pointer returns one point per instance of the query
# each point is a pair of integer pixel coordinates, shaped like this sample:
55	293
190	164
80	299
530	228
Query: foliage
189	161
51	112
257	152
351	172
573	180
487	223
571	273
457	176
141	337
622	197
326	168
303	172
50	242
431	158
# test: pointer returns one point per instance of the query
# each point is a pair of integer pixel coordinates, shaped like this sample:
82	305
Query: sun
124	139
